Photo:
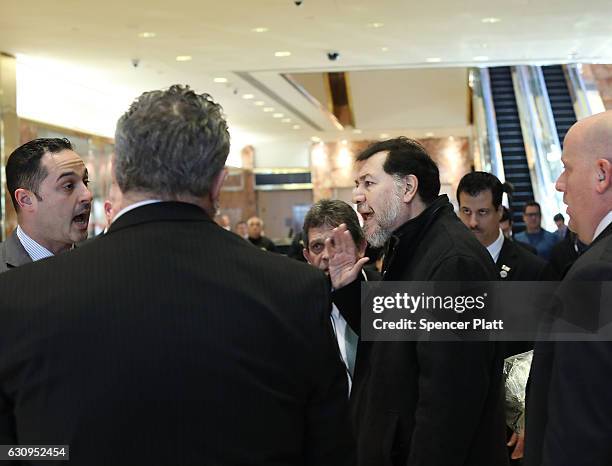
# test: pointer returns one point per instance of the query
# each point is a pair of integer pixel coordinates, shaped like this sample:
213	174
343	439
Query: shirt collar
607	220
34	250
134	206
496	246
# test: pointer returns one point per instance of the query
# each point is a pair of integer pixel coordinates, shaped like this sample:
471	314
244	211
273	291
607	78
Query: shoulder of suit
521	255
602	250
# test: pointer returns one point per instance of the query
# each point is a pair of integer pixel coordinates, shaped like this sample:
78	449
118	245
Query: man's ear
604	175
411	186
306	255
215	189
26	200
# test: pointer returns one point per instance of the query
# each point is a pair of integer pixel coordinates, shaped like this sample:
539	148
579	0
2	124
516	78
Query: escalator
560	99
511	143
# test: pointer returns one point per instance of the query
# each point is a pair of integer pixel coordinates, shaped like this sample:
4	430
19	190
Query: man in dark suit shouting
170	340
569	405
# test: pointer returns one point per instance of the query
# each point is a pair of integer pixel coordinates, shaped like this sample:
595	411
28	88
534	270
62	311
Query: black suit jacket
428	403
172	341
516	263
569	407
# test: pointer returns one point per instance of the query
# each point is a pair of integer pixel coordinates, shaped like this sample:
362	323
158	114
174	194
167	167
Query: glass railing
540	137
485	126
583	91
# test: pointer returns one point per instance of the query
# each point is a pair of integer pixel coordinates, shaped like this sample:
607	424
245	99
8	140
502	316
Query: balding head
255	226
585	181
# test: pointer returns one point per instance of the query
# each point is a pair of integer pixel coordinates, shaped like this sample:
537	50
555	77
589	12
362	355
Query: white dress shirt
34	250
496	246
607	220
134	206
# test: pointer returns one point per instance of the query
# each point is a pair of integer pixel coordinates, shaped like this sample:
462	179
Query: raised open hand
344	261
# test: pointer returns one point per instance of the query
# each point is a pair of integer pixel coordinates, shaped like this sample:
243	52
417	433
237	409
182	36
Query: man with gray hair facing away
170	340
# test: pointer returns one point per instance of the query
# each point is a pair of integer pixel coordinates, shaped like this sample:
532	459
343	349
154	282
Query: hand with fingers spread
344	261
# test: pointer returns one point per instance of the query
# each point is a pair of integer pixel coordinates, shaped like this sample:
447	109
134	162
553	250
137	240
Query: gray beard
383	223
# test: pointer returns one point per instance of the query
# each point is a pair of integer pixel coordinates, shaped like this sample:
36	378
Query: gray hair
171	142
331	213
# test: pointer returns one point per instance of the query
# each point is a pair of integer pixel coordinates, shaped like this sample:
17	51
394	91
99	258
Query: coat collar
412	232
607	232
160	211
15	254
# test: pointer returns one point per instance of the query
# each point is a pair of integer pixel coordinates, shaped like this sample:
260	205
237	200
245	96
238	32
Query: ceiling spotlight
220	80
247	96
481	58
433	60
261	29
357	131
376	25
315	139
384	49
259	103
296	127
429	135
283	53
147	35
384	135
268	109
183	58
490	20
278	115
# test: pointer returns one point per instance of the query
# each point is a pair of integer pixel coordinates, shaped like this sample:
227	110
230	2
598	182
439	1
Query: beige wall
603	76
275	208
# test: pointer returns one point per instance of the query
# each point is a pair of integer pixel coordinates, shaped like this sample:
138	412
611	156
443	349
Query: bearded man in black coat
418	403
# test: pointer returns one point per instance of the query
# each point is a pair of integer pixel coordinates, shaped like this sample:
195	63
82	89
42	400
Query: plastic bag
516	373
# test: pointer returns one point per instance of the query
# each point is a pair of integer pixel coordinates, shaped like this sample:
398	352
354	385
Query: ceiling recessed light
481	58
344	142
260	29
268	109
220	80
283	53
247	96
147	35
384	135
286	120
384	49
490	20
375	25
296	127
278	115
357	131
434	60
259	103
429	135
315	139
183	58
